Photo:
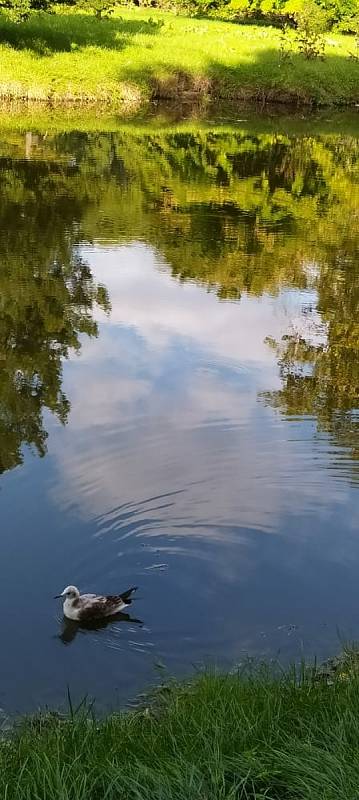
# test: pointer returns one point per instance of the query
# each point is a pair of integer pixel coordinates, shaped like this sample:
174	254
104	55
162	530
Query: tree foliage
337	12
20	9
101	8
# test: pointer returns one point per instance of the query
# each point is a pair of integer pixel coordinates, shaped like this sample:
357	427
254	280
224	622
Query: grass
237	737
144	54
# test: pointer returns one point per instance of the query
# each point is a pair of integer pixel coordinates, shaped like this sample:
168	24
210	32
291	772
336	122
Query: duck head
69	593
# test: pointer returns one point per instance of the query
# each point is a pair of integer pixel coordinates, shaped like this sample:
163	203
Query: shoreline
161	94
252	733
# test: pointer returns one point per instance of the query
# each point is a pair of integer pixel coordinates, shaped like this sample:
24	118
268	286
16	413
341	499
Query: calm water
179	351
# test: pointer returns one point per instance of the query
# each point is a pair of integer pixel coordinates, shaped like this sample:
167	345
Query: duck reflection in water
70	628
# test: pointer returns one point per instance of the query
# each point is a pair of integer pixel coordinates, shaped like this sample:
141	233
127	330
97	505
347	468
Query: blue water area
179	350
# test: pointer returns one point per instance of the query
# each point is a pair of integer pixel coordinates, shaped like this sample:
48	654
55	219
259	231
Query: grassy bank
220	737
142	55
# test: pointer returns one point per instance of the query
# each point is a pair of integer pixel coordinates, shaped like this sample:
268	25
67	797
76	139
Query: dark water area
179	380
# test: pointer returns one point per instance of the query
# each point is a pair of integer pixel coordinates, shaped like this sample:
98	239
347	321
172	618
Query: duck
86	607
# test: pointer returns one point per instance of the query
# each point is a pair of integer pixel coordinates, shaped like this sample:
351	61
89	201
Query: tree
101	8
19	10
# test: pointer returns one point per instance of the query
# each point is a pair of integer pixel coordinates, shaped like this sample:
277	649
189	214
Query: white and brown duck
87	607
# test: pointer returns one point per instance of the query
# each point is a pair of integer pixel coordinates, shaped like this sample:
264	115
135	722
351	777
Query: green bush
311	21
18	10
101	8
339	13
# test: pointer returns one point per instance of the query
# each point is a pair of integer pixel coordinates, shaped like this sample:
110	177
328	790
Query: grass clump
145	54
232	736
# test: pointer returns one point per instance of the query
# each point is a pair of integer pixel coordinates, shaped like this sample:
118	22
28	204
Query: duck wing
89	597
94	606
125	597
97	606
116	600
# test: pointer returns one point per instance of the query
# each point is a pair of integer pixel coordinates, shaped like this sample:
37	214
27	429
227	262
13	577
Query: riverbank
142	56
235	736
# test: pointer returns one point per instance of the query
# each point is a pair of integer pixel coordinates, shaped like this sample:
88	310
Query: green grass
220	737
141	54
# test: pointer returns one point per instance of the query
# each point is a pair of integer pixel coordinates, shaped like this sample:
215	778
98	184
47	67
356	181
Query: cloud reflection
164	403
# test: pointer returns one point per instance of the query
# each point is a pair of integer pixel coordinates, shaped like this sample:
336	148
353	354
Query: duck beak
57	596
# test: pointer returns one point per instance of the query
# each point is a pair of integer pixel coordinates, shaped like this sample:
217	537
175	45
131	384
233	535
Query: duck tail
126	596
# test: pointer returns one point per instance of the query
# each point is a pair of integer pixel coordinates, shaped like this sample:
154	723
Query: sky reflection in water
205	457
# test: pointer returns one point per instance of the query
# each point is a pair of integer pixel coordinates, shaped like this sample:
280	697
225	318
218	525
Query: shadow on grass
44	34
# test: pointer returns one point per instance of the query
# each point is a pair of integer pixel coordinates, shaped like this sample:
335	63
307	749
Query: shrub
101	8
18	10
312	22
339	11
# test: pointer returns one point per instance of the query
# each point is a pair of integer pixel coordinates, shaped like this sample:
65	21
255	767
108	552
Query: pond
179	355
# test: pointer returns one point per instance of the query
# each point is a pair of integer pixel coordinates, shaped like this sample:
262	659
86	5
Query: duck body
86	607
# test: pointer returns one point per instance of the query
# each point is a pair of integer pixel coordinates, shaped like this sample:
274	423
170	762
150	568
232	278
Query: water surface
179	350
